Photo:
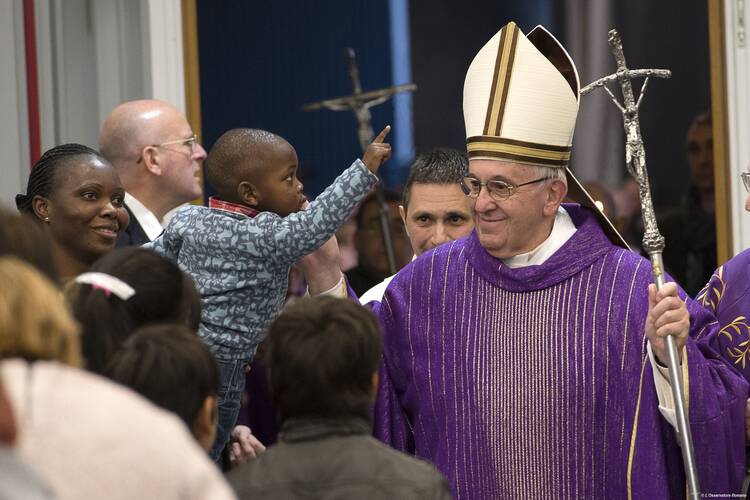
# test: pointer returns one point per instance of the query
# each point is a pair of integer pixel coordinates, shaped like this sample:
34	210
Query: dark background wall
668	34
260	61
446	35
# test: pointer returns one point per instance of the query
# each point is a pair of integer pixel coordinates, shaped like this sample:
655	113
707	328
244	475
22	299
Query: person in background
23	237
345	237
82	434
434	210
158	157
170	366
372	260
17	478
727	296
127	289
690	232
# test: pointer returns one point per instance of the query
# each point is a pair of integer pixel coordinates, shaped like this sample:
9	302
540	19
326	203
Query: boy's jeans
230	391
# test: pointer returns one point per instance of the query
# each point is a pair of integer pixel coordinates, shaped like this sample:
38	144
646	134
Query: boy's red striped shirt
218	204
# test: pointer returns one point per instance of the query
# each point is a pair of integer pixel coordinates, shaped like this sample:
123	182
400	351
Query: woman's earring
46	219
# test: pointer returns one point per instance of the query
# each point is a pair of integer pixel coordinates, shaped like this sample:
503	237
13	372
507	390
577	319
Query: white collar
145	217
562	229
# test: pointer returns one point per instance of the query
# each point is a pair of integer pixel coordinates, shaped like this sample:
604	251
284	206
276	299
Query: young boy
239	249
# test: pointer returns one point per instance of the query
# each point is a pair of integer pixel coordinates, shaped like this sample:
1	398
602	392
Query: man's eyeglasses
498	190
745	176
191	142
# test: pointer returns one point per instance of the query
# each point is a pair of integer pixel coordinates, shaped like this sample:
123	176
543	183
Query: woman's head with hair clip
162	294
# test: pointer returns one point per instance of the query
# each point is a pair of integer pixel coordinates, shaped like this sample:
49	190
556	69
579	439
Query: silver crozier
653	241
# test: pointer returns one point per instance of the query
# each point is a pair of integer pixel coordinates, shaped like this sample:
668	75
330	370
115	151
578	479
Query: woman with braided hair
77	194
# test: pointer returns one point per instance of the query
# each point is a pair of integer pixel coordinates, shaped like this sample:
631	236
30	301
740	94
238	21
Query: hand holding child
321	268
378	151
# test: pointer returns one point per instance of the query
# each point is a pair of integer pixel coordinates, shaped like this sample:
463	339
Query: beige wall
91	55
13	122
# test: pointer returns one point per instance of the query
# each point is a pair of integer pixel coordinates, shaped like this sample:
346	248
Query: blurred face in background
369	241
700	155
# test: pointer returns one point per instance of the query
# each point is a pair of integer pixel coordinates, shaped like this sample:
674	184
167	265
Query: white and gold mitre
521	99
520	105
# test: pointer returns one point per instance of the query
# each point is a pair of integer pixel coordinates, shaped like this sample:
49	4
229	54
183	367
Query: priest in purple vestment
524	360
727	296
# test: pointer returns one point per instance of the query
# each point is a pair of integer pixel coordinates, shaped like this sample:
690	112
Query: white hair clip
107	284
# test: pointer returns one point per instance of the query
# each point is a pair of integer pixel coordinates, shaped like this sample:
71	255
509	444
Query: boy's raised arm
302	232
378	151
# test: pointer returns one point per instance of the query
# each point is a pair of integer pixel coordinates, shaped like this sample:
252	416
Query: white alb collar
562	229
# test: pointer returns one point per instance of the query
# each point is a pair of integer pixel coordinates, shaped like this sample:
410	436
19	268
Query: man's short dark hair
701	119
169	365
439	166
322	354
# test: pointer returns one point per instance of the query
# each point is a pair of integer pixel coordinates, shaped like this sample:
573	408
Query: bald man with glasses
158	157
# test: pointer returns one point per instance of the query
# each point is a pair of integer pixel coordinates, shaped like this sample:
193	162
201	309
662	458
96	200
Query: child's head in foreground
323	357
171	366
256	168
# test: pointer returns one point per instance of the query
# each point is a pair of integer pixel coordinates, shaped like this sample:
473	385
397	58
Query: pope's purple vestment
535	382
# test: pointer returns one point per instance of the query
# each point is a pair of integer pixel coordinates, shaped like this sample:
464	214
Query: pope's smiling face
520	223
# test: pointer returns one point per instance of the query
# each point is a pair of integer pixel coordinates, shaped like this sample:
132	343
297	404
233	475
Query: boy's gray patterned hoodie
241	264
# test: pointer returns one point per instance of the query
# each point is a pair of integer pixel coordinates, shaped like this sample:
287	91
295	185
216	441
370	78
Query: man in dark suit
157	157
133	235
